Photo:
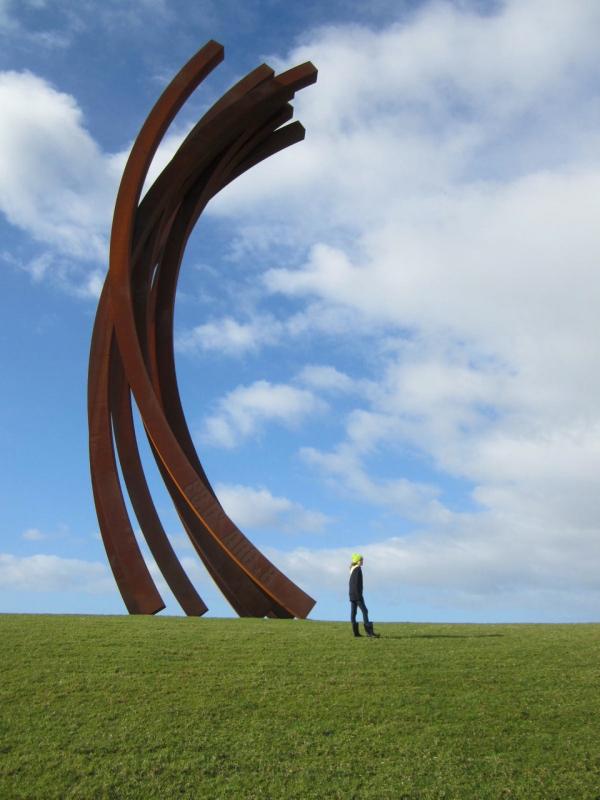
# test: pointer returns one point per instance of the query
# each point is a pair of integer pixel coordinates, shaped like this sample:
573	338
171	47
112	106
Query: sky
387	336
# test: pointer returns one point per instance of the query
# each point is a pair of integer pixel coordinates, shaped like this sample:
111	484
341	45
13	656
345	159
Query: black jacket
356	584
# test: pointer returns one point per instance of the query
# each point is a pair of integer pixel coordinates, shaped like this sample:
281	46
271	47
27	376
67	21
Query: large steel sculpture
132	346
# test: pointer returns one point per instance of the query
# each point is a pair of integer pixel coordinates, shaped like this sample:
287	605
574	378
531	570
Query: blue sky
387	336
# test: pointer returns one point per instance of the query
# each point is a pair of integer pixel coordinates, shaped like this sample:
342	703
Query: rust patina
132	346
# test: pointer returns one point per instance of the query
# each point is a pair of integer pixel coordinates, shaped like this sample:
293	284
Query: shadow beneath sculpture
132	346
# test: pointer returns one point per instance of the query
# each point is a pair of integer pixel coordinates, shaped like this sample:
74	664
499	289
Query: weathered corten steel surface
132	346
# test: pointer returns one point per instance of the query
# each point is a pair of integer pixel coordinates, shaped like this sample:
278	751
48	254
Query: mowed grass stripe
171	707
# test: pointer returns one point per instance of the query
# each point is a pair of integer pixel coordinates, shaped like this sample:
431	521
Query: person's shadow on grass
442	635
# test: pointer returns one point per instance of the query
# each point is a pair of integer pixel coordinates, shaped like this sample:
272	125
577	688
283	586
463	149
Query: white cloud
258	508
55	183
503	266
243	411
71	276
423	102
230	337
33	535
48	573
412	500
326	378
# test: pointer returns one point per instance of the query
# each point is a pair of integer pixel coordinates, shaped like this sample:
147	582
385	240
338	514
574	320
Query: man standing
356	597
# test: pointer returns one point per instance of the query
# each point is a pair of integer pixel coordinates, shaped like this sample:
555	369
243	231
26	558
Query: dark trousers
365	611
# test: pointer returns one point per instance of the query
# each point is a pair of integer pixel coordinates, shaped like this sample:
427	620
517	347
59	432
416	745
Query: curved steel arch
132	346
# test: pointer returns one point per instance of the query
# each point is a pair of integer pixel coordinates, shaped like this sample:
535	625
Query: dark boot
370	632
355	629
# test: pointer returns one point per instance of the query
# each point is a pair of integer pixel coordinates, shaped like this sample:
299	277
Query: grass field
167	707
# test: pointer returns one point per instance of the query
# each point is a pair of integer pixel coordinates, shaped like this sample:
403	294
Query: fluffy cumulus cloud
230	337
55	183
258	508
409	499
327	379
244	410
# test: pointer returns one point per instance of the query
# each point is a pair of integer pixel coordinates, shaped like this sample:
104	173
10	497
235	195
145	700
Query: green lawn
167	707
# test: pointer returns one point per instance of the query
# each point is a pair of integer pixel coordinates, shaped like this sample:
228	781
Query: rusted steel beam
243	594
135	583
141	499
147	245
